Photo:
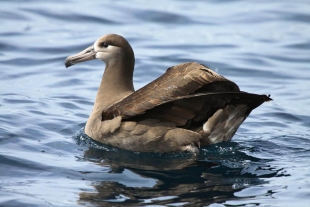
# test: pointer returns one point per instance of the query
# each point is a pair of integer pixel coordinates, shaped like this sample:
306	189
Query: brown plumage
187	107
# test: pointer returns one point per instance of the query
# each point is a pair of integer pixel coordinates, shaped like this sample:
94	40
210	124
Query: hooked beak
85	55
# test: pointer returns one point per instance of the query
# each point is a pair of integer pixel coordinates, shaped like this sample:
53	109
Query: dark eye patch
104	44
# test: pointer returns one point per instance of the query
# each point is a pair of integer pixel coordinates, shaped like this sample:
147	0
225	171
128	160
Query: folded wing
178	82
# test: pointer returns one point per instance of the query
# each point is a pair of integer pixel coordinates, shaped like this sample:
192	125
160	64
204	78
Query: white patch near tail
224	123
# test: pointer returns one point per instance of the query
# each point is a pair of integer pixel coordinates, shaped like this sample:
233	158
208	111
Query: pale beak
87	54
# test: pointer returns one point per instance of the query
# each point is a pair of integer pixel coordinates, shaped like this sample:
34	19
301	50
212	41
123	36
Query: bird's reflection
177	180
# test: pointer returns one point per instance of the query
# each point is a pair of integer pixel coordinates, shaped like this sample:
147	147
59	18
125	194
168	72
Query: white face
106	52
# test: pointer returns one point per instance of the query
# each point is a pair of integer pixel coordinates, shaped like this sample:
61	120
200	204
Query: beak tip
85	55
67	65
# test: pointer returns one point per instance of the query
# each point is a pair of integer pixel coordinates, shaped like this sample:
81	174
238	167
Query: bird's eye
104	44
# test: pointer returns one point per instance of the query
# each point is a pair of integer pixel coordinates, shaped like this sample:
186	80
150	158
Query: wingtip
268	98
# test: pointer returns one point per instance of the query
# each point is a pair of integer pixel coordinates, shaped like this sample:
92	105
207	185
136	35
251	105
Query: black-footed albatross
188	107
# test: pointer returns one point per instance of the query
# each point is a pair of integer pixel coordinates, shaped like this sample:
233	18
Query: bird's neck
116	83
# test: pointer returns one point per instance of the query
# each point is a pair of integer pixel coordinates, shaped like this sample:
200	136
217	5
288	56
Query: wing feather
178	81
193	110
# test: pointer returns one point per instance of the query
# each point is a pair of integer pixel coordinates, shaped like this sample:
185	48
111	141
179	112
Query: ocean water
264	46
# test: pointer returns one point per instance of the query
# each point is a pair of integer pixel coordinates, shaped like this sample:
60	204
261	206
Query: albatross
186	108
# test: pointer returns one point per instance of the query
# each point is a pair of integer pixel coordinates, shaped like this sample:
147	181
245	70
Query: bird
188	107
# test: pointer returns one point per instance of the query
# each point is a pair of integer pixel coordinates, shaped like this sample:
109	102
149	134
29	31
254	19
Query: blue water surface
264	46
